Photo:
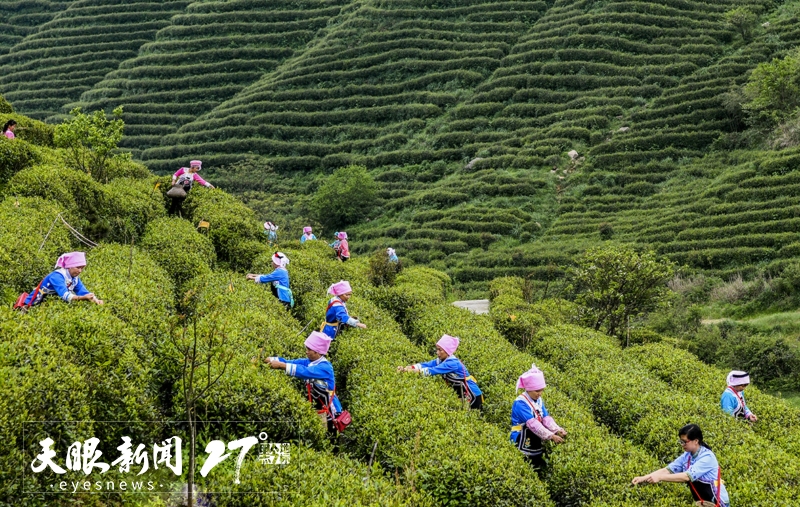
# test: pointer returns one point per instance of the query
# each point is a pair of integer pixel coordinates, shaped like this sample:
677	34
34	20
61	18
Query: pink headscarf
71	260
342	235
318	342
531	380
280	259
197	163
448	343
306	229
339	288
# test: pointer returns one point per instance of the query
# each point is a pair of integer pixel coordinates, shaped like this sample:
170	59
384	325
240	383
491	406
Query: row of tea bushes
446	453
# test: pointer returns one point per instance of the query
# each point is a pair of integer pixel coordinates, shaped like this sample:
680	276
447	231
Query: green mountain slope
204	57
69	54
20	18
464	112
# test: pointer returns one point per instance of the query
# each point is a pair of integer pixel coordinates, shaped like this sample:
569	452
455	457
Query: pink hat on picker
71	260
448	343
532	380
306	229
342	235
318	342
195	163
339	288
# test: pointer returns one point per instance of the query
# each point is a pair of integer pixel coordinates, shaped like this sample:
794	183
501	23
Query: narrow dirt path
478	306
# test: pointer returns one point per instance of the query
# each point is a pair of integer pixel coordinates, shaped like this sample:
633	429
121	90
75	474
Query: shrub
345	197
129	205
179	249
90	141
234	230
381	271
615	283
16	156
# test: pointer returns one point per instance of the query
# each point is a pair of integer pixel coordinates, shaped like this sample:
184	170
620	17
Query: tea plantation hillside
71	52
19	19
205	56
465	113
68	370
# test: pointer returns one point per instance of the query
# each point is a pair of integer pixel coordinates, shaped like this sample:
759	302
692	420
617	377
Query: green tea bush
134	288
16	156
129	205
24	225
179	249
234	230
340	481
41	383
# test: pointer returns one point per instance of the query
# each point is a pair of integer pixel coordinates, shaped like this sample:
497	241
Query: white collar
322	359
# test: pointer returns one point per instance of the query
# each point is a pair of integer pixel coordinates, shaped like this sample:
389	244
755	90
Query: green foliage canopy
614	283
346	197
90	140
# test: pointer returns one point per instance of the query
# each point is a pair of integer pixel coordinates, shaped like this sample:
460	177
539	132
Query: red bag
21	301
20	304
342	421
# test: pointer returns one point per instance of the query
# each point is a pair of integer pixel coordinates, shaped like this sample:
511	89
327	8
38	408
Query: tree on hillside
743	20
345	197
614	283
773	90
91	141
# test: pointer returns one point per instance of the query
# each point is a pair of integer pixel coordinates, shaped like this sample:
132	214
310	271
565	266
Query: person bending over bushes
531	423
63	282
453	371
698	466
336	313
318	374
182	182
732	400
279	278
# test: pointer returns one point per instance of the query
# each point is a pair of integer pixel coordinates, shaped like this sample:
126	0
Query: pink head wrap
531	380
448	343
342	235
339	288
197	163
280	259
268	226
306	229
71	260
738	378
318	342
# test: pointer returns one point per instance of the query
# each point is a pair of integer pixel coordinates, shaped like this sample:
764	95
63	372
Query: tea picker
63	282
336	314
319	378
697	466
732	400
531	423
279	279
452	370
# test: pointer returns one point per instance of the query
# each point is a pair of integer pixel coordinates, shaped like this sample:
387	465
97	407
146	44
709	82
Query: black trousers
477	403
536	461
176	206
